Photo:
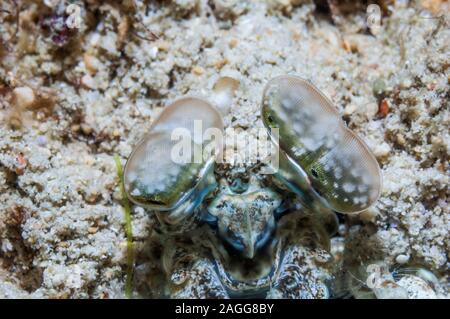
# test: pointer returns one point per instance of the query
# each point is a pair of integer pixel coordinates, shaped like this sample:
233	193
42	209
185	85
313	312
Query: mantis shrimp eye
163	171
337	164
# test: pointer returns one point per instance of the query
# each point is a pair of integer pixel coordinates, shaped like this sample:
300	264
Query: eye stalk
339	166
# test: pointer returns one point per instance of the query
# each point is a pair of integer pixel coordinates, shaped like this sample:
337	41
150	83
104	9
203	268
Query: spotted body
268	237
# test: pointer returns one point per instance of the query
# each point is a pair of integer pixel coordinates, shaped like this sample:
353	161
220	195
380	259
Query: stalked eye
167	168
311	133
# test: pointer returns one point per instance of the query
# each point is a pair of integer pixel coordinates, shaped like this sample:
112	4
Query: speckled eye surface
152	178
340	167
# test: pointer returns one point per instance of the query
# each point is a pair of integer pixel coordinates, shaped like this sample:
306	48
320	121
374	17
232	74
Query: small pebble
350	109
371	109
154	52
41	140
431	86
86	129
163	45
24	96
88	81
382	150
400	139
220	63
402	259
346	46
91	63
92	230
63	244
233	43
379	86
75	128
116	133
122	29
383	108
21	164
405	84
92	198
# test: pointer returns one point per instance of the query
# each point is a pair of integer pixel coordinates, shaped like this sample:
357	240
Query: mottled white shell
152	178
